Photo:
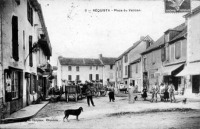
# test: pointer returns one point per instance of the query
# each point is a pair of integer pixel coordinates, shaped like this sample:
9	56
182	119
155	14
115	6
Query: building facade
24	48
85	69
192	69
165	59
175	56
128	64
108	69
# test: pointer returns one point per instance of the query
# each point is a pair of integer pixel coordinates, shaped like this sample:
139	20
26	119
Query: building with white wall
85	69
24	52
78	69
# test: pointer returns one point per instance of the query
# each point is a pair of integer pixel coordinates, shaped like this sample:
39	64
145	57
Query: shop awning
190	69
168	70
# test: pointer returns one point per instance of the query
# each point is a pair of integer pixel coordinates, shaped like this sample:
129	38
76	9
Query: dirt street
118	114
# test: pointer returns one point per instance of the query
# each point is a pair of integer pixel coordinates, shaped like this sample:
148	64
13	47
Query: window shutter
163	54
15	50
177	50
30	52
20	84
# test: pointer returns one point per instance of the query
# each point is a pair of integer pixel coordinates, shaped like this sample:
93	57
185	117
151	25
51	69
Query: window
97	76
136	68
90	67
153	58
33	84
148	44
69	77
177	50
15	49
126	70
172	52
69	68
131	71
145	63
126	58
77	68
29	13
30	52
15	84
90	77
77	77
163	54
96	67
111	66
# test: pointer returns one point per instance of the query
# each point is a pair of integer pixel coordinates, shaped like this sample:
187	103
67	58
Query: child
144	95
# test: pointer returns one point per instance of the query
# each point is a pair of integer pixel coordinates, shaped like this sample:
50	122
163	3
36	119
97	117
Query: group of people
89	93
166	92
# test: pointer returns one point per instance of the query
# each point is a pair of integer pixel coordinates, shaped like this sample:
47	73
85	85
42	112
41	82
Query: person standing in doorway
89	95
171	91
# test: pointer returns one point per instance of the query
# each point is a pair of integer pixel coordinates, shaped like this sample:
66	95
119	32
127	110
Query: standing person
89	95
131	93
144	94
111	94
166	93
171	91
155	91
162	90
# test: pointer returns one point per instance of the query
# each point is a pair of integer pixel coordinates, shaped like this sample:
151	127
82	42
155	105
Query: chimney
142	37
100	56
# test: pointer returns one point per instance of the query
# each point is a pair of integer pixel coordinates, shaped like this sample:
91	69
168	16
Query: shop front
169	76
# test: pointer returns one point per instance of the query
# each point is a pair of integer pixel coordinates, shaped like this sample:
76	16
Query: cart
73	91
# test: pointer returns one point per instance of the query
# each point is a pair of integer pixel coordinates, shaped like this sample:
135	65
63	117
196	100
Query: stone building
165	58
192	69
85	69
128	64
24	52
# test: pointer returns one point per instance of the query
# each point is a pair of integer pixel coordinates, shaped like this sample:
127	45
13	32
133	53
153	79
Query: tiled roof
108	60
129	49
132	47
182	34
80	61
161	42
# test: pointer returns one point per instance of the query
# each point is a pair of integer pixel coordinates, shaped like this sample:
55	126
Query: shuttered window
30	52
153	58
77	77
29	13
69	77
15	49
163	54
177	50
33	84
90	77
97	76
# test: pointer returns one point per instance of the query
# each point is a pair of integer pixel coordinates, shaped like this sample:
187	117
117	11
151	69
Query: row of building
25	51
173	58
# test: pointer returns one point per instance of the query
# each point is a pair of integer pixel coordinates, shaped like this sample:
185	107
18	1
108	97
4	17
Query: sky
85	28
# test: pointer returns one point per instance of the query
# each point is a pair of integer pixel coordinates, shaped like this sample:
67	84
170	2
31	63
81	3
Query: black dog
184	101
135	98
75	112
